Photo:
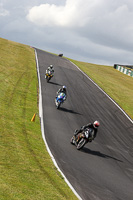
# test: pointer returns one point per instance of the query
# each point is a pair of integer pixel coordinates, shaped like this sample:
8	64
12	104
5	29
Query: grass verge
116	84
27	171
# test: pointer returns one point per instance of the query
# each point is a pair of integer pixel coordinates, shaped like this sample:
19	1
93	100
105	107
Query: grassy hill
27	171
116	84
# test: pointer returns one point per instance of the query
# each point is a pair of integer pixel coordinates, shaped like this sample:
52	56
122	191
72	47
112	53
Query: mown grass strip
27	171
117	85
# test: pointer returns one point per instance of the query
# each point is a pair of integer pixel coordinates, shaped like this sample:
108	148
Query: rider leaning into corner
93	125
62	90
50	69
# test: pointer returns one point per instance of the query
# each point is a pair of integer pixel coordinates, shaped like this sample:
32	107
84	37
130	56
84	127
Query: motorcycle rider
93	125
62	90
50	69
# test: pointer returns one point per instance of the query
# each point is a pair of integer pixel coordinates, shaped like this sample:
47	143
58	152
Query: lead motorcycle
60	99
48	76
82	138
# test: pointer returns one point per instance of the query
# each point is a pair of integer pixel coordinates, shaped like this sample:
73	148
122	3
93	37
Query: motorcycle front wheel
58	105
47	79
81	143
72	140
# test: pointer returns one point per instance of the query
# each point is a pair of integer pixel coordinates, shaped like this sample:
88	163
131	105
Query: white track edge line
103	92
43	133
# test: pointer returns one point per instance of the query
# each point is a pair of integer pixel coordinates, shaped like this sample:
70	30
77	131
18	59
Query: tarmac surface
103	169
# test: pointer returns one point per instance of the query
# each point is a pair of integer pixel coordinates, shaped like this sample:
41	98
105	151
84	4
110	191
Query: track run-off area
103	169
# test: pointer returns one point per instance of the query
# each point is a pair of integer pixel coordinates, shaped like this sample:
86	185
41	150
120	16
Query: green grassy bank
27	172
116	84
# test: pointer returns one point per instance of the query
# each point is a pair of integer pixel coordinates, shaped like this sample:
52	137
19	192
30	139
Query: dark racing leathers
90	125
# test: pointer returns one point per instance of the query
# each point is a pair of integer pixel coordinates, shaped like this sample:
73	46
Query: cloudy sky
94	31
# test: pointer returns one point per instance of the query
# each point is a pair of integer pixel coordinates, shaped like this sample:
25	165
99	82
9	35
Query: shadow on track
55	83
68	110
98	153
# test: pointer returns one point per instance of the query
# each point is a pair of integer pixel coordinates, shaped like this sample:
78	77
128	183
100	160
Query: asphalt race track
103	170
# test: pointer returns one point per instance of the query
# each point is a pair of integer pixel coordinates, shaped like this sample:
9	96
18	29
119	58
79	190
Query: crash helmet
64	88
96	124
51	66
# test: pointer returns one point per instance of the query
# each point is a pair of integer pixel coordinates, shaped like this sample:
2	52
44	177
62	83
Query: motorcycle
48	76
60	99
82	138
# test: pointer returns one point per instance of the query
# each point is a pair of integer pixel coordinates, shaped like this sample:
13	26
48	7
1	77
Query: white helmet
64	87
51	66
96	124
